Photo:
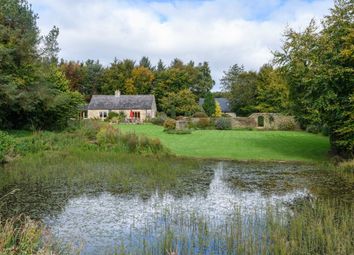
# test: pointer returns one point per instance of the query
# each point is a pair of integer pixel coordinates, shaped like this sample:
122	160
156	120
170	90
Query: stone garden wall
267	121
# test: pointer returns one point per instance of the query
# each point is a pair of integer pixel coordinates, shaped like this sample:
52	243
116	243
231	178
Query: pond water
104	222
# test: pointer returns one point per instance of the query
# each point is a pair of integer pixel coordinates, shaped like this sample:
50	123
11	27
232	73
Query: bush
108	135
203	123
200	115
90	128
169	124
179	132
223	124
6	143
286	125
313	129
160	119
132	142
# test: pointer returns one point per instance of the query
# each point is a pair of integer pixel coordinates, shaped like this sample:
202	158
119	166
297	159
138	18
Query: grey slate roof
123	102
223	102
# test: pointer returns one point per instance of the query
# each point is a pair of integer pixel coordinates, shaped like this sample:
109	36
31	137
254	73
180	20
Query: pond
194	217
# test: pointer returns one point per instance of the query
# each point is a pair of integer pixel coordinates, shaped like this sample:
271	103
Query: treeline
251	91
91	77
34	93
311	77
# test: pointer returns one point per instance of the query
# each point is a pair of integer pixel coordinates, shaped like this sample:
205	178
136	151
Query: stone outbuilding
134	107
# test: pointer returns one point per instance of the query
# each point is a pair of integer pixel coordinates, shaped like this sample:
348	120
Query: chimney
117	93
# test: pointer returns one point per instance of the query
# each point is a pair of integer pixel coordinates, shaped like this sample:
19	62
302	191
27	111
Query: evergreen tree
218	112
209	104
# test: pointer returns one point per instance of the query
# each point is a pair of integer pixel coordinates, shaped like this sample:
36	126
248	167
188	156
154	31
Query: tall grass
320	227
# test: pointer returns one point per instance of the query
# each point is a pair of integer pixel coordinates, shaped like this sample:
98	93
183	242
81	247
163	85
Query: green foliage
218	112
21	235
179	132
209	104
159	119
6	143
34	93
169	124
272	91
200	115
318	64
223	123
180	103
203	123
286	125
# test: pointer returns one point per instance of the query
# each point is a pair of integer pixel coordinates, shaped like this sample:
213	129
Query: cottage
135	107
224	105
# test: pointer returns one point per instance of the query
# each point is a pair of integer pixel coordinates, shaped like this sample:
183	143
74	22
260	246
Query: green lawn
240	144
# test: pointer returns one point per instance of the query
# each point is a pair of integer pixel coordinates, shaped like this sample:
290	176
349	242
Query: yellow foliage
218	112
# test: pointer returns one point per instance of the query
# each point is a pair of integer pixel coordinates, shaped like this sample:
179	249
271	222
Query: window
103	115
137	115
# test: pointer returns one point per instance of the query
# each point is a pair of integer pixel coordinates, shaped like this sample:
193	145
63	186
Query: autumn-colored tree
129	87
218	112
143	79
178	103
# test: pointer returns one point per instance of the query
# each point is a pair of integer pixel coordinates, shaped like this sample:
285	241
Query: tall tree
203	80
209	104
230	77
143	79
182	102
145	62
272	90
51	48
319	65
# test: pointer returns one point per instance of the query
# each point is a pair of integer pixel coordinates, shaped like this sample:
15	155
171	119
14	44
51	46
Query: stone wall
271	121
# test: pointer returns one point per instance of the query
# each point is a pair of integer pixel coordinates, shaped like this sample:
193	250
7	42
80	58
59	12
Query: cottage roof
123	102
223	102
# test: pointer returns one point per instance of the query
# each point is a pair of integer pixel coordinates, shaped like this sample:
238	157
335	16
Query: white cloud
222	32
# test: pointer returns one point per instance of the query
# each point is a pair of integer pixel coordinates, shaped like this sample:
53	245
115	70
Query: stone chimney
117	93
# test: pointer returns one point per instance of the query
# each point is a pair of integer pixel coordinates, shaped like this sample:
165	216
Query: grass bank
240	144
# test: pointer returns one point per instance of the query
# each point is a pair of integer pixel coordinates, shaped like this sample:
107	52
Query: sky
221	32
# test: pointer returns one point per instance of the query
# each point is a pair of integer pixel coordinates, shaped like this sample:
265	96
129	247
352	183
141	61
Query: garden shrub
159	120
200	115
286	125
6	143
108	135
223	123
313	129
169	124
203	123
179	132
132	142
90	128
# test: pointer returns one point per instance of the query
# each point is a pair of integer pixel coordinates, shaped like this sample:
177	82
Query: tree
272	90
33	94
129	87
230	77
145	62
143	79
218	112
115	76
203	81
51	46
209	104
160	66
319	67
182	102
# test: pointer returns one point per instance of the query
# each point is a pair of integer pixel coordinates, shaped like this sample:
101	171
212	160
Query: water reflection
104	222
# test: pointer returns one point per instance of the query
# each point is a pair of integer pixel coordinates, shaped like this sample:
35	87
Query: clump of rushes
21	235
110	136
